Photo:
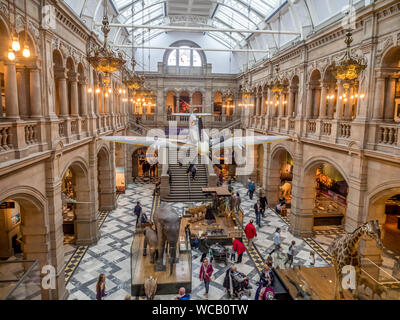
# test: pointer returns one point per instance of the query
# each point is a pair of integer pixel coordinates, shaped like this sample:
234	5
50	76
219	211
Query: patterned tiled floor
111	255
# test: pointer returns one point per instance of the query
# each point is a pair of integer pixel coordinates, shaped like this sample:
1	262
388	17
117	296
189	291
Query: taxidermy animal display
150	239
167	223
198	213
150	288
344	252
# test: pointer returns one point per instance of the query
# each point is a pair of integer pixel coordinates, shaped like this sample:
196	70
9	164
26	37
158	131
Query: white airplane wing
247	141
145	141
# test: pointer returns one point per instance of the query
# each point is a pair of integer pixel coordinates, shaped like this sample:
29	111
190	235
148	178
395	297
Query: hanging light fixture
11	55
277	85
104	59
348	68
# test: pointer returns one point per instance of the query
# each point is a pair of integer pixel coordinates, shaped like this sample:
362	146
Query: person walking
238	201
206	271
101	287
194	171
277	240
239	248
138	211
264	203
169	176
252	188
204	247
248	185
290	254
250	231
257	209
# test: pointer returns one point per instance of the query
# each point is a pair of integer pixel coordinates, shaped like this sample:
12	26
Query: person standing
248	185
237	202
263	202
169	176
277	240
257	209
290	254
206	271
239	248
250	231
252	188
138	211
101	287
204	247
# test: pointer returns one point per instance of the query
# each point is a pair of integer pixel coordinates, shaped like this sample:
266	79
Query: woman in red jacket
239	248
206	271
250	232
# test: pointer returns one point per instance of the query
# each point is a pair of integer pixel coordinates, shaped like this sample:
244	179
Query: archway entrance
143	166
329	189
385	207
280	178
23	236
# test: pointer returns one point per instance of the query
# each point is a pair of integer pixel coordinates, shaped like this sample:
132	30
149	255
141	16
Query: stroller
236	285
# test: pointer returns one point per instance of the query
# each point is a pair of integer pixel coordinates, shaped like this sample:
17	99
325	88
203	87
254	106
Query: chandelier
104	59
277	85
134	81
349	68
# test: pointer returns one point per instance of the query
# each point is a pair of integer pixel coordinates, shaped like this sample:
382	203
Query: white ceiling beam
198	29
198	49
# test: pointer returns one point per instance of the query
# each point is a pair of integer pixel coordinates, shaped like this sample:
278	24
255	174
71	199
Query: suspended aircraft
197	138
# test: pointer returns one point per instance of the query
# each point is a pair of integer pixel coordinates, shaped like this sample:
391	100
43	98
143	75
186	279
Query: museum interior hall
199	149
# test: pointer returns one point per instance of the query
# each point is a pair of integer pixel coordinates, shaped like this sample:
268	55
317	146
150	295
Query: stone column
323	101
379	101
269	113
11	91
331	104
35	96
317	100
291	102
62	92
348	105
84	97
263	110
74	95
389	100
22	81
309	101
339	102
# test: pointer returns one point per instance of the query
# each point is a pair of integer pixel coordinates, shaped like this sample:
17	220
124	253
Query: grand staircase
183	187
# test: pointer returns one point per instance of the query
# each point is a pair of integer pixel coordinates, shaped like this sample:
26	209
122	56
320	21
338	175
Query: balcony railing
388	135
311	126
326	128
5	137
62	129
345	130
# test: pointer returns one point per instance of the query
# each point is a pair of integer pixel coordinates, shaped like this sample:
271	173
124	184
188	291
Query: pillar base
301	225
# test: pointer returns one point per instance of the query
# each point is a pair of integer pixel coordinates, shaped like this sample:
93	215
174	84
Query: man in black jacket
263	202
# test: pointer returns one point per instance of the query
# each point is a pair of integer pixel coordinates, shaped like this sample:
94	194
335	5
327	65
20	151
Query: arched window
184	57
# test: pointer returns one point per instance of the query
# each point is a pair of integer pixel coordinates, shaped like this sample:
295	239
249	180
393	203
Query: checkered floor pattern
111	255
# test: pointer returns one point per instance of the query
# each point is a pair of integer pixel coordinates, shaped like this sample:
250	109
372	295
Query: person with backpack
252	188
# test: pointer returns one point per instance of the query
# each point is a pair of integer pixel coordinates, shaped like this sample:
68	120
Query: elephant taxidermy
167	222
150	239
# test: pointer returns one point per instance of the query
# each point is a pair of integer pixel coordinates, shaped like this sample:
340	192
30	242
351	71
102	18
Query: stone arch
274	172
376	205
308	187
106	180
60	82
390	57
34	224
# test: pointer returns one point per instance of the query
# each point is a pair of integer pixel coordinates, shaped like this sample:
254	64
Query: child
211	256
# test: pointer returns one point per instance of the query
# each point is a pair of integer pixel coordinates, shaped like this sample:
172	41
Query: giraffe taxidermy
344	252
